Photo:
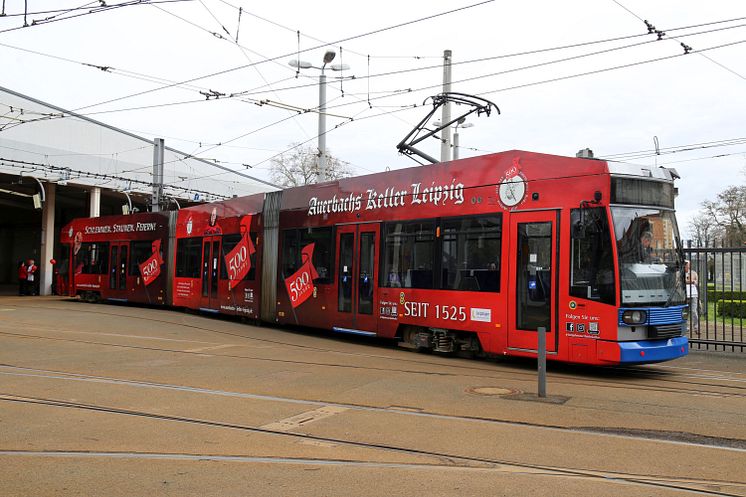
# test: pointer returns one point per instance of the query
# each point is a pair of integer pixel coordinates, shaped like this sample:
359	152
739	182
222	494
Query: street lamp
301	64
461	122
455	135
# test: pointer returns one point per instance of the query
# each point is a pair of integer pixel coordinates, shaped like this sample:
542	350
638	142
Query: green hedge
714	295
732	308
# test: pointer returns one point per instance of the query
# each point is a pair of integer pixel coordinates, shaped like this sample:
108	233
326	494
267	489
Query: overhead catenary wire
613	68
533	52
294	31
373	116
5	162
393	92
530	84
272	59
676	149
278	154
551	80
420	89
244	51
102	8
685	46
567	59
50	11
98	123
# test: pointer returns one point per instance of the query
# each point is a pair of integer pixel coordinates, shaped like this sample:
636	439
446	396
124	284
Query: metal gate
718	321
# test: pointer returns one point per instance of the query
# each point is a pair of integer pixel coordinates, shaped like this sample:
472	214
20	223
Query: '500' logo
299	285
236	262
150	268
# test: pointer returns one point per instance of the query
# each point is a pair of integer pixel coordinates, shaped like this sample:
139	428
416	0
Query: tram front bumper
646	351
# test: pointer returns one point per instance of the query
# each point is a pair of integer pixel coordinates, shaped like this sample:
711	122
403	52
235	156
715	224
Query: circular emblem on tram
511	189
573	305
189	226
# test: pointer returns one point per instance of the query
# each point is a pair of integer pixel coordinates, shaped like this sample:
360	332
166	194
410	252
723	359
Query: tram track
699	486
691	387
645	371
688	485
690	439
638	371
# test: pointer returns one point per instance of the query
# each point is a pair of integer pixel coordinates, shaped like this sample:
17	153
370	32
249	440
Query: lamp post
301	64
455	135
461	122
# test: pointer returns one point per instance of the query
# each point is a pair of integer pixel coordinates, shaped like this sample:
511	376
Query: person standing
646	250
22	278
692	293
31	270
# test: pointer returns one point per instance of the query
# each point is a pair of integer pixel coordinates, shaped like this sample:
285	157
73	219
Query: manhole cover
492	391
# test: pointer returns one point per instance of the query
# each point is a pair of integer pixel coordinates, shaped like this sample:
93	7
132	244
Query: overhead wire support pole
445	137
321	173
158	153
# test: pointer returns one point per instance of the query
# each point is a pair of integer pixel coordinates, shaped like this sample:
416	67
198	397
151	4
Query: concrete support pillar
94	202
46	272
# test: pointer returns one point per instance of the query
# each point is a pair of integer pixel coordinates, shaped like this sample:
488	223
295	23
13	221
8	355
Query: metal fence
718	321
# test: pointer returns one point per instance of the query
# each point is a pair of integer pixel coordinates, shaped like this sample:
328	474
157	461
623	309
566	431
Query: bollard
542	363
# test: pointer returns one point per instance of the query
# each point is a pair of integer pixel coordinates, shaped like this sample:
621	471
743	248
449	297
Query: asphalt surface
121	401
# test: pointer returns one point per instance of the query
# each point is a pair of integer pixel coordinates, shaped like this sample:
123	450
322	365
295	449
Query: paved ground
122	401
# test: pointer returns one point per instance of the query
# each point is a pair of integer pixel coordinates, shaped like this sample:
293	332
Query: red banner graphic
300	284
151	268
238	260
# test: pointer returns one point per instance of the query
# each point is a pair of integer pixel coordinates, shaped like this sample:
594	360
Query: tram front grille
665	331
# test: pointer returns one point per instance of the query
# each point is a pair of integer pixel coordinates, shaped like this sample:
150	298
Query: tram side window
229	243
92	258
323	252
290	252
188	257
592	266
471	253
139	252
408	255
293	242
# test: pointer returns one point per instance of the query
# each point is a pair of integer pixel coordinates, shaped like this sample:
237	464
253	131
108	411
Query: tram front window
650	263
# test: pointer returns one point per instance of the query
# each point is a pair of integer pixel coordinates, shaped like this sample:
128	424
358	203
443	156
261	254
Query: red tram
475	254
118	258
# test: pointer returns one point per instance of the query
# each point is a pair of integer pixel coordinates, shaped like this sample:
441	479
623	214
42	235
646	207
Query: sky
146	68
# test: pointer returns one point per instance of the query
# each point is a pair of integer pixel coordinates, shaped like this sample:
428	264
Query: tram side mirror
578	231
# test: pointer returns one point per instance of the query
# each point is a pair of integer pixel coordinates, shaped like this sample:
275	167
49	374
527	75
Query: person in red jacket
21	278
31	270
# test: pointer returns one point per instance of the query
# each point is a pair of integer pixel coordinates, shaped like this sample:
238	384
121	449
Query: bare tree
704	231
300	167
728	213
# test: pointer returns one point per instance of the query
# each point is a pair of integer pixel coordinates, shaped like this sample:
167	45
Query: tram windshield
650	261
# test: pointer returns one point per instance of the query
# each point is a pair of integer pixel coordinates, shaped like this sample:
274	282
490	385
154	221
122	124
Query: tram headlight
685	314
634	316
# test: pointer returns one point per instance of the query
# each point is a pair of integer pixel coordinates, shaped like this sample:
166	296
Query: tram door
533	276
357	277
210	269
118	261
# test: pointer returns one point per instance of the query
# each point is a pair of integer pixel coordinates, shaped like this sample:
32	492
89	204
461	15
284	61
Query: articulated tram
470	255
